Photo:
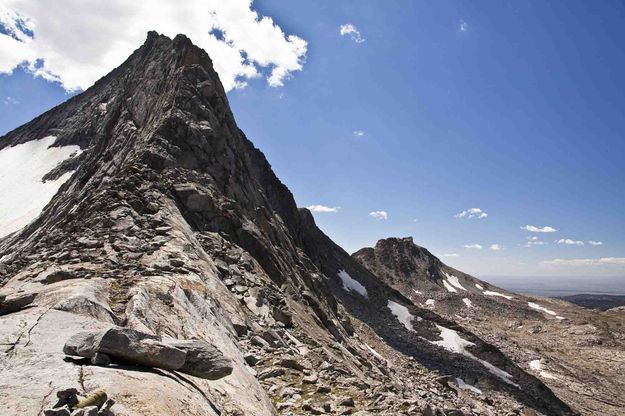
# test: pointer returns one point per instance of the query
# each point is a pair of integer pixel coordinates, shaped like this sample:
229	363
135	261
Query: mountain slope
171	223
571	349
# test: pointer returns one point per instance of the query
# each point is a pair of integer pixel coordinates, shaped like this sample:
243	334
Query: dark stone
203	360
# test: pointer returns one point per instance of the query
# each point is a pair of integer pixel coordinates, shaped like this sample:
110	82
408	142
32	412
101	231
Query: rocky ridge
571	349
173	230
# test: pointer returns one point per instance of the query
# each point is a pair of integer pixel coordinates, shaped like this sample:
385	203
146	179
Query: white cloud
473	246
570	242
323	208
352	31
8	100
359	133
604	261
78	48
451	255
496	247
379	215
595	243
534	229
534	243
472	213
464	26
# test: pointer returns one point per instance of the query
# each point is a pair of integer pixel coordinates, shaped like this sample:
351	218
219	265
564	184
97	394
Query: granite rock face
174	233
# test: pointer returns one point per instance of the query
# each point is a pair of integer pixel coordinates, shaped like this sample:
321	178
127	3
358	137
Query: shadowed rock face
174	225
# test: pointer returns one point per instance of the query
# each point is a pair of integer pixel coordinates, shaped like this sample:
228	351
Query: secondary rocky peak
400	261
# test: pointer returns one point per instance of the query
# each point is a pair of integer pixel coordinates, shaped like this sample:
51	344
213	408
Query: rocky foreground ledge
126	347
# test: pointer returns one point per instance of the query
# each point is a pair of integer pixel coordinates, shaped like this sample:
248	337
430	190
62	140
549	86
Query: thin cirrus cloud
569	242
323	208
595	243
464	26
359	133
351	31
473	246
451	255
496	247
535	229
533	241
379	215
472	213
603	261
242	44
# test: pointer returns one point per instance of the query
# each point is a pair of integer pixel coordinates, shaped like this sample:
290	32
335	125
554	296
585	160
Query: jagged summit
407	266
167	228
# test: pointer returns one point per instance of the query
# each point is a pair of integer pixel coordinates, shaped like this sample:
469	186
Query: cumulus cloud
323	208
496	247
534	229
474	246
78	48
472	213
352	31
379	215
359	133
451	255
604	261
570	242
595	243
464	26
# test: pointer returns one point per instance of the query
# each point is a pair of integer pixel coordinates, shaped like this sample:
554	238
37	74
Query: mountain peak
170	232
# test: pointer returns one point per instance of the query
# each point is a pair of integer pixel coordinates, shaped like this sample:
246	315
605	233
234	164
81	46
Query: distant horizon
554	286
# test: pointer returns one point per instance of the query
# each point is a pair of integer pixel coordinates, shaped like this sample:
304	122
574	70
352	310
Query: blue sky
515	108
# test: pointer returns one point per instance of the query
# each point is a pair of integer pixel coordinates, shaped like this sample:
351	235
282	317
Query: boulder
15	303
126	345
83	344
67	396
101	359
140	348
202	359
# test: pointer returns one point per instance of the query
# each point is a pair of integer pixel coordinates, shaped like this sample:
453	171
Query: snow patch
540	308
464	386
430	303
23	194
479	286
453	280
417	292
452	341
467	302
352	284
537	366
492	293
402	314
449	287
